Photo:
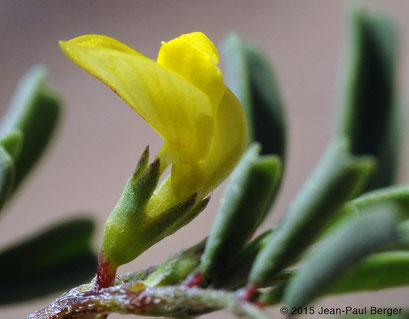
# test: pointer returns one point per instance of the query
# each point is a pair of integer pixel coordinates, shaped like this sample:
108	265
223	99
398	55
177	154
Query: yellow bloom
183	97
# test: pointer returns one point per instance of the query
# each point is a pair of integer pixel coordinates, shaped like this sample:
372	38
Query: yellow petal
195	58
230	140
175	108
229	143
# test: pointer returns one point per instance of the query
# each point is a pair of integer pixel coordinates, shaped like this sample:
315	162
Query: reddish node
249	292
105	273
195	280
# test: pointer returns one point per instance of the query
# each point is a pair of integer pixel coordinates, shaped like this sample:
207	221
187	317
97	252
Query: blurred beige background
101	137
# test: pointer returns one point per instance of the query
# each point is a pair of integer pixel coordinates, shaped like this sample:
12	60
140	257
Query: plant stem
169	301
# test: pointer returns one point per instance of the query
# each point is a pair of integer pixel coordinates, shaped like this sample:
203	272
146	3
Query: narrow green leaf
237	76
380	271
352	242
274	296
360	205
7	175
236	275
242	209
13	143
338	177
251	78
177	268
268	112
34	110
55	259
369	113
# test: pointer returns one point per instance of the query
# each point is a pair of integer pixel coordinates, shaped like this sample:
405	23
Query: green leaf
352	242
251	78
360	205
376	272
237	76
7	175
268	112
368	112
242	209
380	271
55	259
34	110
13	143
274	296
338	177
177	268
236	275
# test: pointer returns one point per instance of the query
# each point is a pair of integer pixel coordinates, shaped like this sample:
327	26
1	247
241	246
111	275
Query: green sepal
243	207
251	78
126	226
169	221
13	143
177	268
34	110
131	228
353	241
184	218
7	175
368	112
141	165
52	260
338	177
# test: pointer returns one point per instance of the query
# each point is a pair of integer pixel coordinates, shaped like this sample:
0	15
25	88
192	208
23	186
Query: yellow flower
183	97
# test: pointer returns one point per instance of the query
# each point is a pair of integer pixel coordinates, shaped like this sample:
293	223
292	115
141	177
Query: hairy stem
172	301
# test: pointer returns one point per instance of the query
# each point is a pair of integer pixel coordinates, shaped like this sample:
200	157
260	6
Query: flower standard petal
176	109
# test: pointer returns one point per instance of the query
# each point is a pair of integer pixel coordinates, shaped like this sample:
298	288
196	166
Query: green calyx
132	228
